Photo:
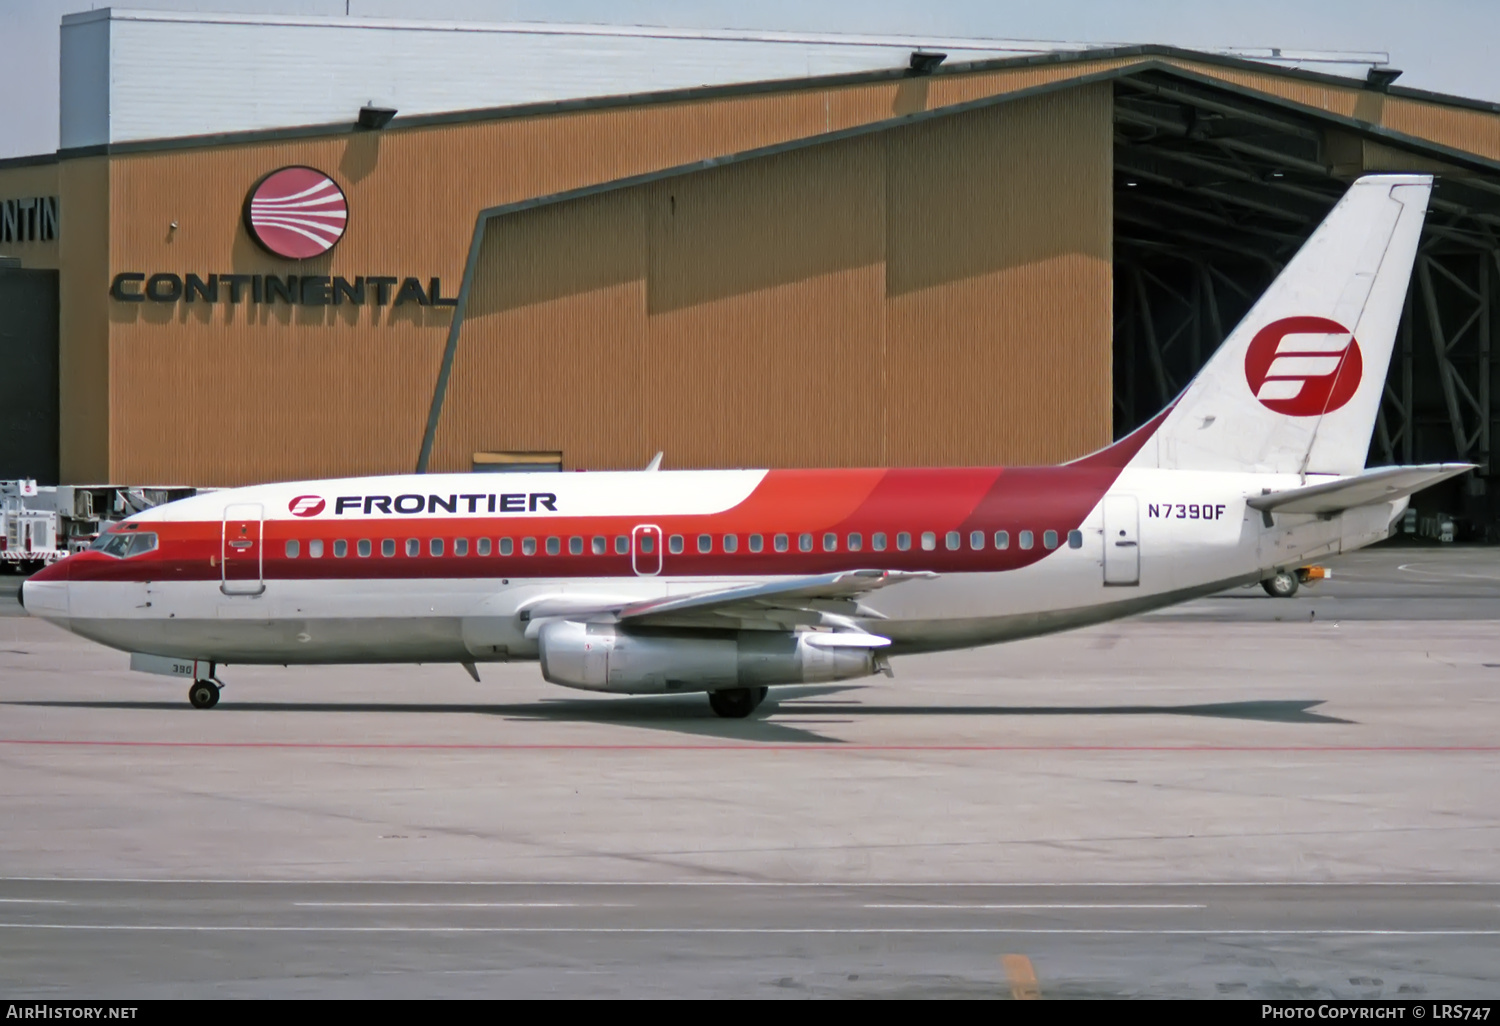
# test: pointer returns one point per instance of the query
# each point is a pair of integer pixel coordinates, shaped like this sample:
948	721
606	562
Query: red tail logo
1303	366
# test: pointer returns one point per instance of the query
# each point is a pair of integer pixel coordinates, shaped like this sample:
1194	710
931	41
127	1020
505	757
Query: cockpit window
141	541
123	544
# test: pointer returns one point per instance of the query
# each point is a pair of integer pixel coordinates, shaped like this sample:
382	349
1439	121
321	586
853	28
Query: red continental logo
306	505
296	212
1304	366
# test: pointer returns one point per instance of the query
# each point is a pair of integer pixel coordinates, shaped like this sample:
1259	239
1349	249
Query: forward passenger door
241	549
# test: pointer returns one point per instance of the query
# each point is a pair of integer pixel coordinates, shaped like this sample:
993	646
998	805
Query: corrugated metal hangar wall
934	293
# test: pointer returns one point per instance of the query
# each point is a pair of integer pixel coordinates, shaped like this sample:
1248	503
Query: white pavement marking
1029	907
460	904
1416	568
166	928
33	901
743	883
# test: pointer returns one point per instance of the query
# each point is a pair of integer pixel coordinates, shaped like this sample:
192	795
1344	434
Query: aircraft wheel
735	703
204	694
1283	585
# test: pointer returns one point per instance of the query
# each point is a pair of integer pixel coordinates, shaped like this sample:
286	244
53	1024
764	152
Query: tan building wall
936	293
24	182
228	394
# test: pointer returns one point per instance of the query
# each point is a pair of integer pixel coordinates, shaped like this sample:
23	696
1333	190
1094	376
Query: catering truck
40	524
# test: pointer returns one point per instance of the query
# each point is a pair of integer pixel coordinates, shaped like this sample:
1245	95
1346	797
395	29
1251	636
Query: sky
1448	46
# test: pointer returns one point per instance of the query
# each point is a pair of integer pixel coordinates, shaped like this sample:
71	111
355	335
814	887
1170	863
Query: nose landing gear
204	694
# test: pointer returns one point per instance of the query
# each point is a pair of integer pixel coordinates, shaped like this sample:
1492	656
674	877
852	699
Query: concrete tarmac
1241	797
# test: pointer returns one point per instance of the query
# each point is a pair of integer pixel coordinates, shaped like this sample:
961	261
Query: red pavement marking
782	747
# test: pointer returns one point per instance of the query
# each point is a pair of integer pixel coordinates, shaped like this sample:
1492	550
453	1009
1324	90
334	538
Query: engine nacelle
603	657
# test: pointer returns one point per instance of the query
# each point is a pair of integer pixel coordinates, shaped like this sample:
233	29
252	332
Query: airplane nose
45	593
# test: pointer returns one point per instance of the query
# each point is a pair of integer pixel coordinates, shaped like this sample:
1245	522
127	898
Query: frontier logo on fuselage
306	506
1303	366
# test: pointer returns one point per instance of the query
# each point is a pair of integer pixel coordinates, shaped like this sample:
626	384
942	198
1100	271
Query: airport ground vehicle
40	524
732	581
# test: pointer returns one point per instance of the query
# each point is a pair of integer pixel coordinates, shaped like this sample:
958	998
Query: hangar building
573	247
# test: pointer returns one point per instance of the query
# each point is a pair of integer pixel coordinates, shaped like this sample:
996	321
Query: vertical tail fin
1296	387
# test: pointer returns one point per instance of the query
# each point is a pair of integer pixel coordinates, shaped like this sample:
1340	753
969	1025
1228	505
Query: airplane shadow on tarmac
785	718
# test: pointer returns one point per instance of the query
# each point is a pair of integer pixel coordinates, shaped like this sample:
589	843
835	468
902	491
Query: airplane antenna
655	463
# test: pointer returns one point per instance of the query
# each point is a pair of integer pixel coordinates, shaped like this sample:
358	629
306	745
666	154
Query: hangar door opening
28	375
1217	187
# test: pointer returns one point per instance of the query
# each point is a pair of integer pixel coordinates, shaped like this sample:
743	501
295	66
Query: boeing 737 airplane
731	581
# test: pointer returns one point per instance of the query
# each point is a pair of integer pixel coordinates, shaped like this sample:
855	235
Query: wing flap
755	600
1385	484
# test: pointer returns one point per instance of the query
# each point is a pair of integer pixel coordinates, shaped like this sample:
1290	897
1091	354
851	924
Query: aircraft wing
1385	484
777	605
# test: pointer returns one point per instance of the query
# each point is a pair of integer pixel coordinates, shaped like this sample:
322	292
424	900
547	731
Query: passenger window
315	548
856	542
622	544
600	545
757	543
575	546
1002	539
413	547
1075	539
648	544
903	540
482	547
929	541
781	543
830	542
435	547
705	543
1026	539
952	541
877	541
460	546
507	546
340	548
293	549
388	546
674	544
1049	539
731	543
804	542
554	546
528	546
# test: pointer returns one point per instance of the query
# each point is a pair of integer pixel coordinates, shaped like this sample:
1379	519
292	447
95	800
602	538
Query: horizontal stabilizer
1384	484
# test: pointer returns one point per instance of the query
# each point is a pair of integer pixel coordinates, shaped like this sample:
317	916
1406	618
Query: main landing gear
1283	585
736	703
204	694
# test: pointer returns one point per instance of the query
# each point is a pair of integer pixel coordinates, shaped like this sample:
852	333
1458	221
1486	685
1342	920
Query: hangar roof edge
1145	51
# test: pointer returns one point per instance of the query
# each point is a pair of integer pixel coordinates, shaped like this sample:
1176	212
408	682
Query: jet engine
607	657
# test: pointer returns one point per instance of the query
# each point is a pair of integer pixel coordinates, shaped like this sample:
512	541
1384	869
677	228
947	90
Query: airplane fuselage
446	568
